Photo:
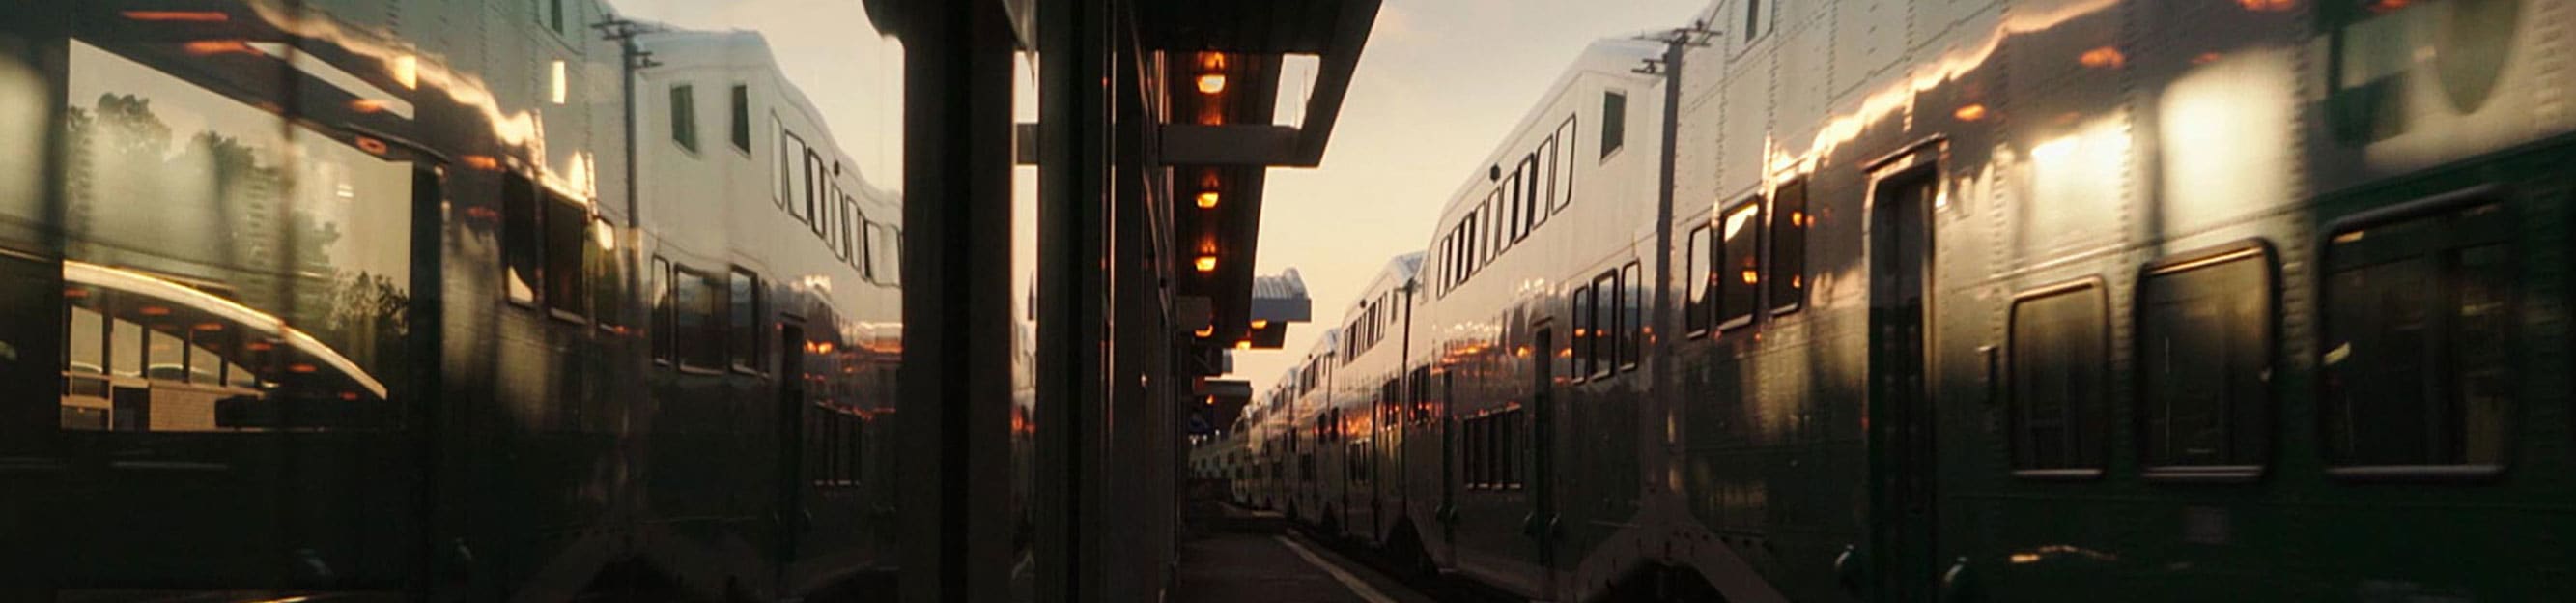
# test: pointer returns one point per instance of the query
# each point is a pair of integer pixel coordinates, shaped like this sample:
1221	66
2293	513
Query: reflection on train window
227	271
665	311
1739	264
520	246
1614	122
1604	303
1632	316
684	116
568	235
1492	451
2060	393
1579	306
1696	269
743	323
607	274
2204	362
1789	222
2417	325
699	297
742	118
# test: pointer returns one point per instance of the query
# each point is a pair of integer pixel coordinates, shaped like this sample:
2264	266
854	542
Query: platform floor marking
1357	586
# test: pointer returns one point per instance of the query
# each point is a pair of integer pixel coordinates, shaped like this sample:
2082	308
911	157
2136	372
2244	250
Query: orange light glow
75	293
1213	83
210	326
372	146
1751	277
367	105
483	162
824	347
2103	58
349	396
301	368
1211	61
1260	324
2389	6
1207	263
1243	345
1967	113
1206	331
1208	200
207	48
2268	6
2205	58
1211	401
155	311
1211	114
259	346
184	16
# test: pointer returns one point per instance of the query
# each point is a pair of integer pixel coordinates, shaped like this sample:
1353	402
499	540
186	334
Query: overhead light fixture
1207	331
1208	200
1243	345
1260	324
1212	83
1970	113
1207	263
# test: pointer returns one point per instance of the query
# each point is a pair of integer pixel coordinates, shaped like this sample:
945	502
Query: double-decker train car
350	298
2029	300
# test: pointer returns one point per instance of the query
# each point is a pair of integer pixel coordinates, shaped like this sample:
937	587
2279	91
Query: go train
350	299
1999	300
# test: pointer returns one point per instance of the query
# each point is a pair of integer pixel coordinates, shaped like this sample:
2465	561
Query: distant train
349	297
2010	300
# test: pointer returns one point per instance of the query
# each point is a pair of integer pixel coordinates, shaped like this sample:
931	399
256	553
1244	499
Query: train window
1753	19
2417	325
894	252
1605	324
2204	364
1561	173
520	239
684	116
742	118
1789	222
2060	393
1614	122
849	230
1525	184
790	149
818	198
697	299
1519	214
1632	301
1739	264
1579	306
567	226
665	331
1696	263
555	17
743	322
607	268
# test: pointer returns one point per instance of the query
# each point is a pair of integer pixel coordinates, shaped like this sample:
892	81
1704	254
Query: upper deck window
1739	264
742	118
2060	394
684	116
1614	122
1789	222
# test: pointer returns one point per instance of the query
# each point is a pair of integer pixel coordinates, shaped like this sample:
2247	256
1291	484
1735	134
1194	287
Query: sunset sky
1439	85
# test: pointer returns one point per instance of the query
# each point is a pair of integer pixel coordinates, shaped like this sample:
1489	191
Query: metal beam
1257	145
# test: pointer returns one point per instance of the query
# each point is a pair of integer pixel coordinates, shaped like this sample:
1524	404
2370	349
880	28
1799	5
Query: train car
1362	426
1314	485
386	251
2019	300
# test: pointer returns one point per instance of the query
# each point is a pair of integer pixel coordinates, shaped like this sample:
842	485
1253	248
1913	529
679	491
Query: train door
1900	406
790	434
1541	525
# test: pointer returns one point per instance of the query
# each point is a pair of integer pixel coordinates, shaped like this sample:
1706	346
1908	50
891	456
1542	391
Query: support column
1072	306
955	398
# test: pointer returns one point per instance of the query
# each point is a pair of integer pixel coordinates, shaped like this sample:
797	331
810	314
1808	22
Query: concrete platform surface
1230	566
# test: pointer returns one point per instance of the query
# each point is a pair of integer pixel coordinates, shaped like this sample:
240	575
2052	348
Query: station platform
1241	556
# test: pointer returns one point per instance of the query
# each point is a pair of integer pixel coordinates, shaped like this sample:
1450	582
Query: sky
1439	84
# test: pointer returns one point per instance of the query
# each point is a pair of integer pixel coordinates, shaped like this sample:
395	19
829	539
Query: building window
1739	264
743	321
1789	222
665	311
567	226
742	118
1696	263
1614	122
696	325
2204	364
2418	324
684	116
2060	392
522	245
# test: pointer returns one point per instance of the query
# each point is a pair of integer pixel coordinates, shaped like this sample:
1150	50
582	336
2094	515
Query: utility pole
1677	44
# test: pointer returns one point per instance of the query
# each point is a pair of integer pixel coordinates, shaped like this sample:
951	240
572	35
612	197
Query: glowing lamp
1213	83
1207	263
1208	200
